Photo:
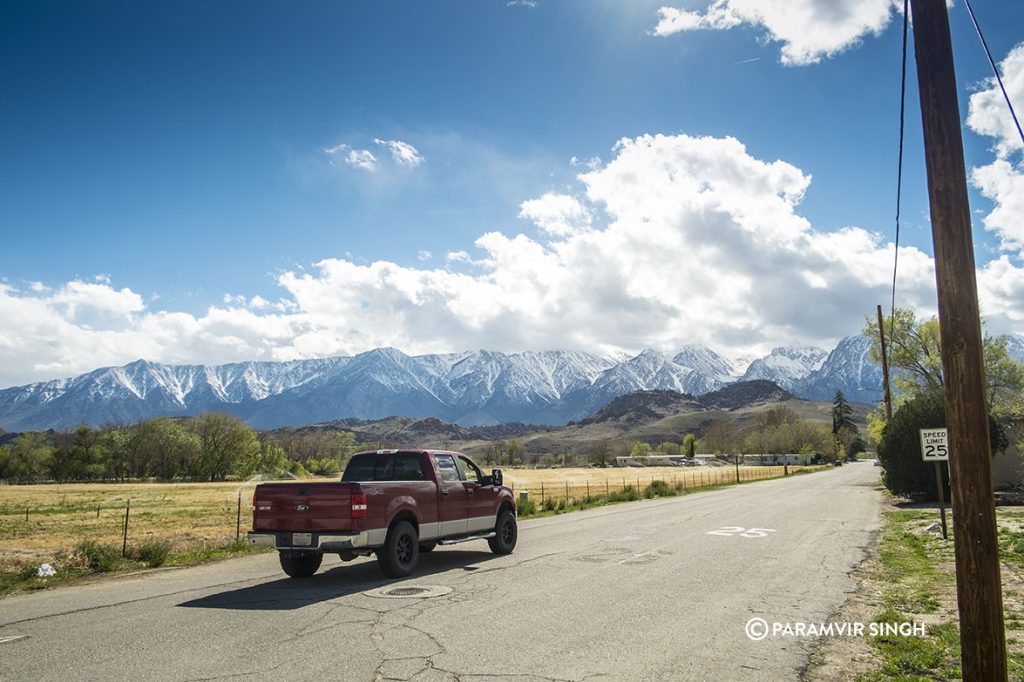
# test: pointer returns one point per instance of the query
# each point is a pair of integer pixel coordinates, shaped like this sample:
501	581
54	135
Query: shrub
527	507
153	553
658	489
100	558
549	504
905	474
627	494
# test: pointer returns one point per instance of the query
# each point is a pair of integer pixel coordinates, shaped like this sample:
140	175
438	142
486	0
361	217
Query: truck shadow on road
338	580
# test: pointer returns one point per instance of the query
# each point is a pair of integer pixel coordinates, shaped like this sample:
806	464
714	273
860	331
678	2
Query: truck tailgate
304	507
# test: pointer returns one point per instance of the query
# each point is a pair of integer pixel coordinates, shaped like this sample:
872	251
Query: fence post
606	490
542	493
124	542
567	493
238	520
97	511
588	490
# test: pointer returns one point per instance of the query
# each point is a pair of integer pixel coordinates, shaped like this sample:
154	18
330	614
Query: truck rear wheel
506	533
398	557
300	564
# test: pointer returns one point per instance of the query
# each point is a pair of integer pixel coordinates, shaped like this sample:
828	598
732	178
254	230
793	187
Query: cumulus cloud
1001	282
402	153
557	214
988	114
809	30
677	239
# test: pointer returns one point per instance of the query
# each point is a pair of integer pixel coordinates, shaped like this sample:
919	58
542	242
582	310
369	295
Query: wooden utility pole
979	591
885	366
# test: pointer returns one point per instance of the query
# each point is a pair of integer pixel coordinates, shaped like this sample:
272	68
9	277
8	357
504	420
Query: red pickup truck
392	503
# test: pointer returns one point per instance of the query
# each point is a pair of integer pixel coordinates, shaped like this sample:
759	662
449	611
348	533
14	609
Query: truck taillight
358	505
260	506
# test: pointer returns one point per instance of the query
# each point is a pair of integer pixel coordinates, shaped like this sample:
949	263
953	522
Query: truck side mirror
496	477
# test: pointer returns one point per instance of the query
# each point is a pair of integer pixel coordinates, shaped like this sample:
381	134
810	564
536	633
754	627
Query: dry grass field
37	522
580	483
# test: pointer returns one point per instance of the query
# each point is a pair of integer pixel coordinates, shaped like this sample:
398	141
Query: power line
899	166
995	71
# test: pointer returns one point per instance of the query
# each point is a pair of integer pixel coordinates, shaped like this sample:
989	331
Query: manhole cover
410	592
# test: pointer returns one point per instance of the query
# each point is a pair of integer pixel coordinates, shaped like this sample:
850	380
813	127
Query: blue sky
192	181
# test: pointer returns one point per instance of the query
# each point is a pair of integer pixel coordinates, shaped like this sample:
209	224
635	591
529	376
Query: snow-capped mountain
848	369
786	365
1015	346
469	388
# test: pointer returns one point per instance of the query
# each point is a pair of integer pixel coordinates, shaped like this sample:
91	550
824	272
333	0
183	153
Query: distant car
838	463
878	462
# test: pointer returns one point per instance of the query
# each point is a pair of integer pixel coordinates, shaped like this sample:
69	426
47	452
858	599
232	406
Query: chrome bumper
321	542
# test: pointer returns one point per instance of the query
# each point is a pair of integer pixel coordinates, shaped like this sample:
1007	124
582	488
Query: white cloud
809	30
362	159
402	153
557	214
676	240
1001	281
988	114
1003	183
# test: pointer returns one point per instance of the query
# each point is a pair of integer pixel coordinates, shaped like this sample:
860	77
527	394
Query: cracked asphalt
637	591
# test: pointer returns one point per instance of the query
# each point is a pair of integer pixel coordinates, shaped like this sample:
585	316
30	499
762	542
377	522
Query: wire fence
575	490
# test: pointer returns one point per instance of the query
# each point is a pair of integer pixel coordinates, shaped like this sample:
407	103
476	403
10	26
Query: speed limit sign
934	445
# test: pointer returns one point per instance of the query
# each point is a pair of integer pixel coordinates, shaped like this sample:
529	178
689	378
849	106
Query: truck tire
507	532
300	564
401	550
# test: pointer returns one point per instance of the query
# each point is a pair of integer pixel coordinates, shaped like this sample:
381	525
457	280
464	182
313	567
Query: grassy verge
90	559
912	579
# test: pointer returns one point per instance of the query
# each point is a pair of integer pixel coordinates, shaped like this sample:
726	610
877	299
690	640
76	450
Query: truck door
482	502
452	497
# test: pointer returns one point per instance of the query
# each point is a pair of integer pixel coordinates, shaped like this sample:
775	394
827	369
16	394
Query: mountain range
472	388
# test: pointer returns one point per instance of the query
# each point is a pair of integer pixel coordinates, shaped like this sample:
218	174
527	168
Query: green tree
844	430
514	452
640	450
226	446
915	357
271	459
904	473
117	443
163	448
81	455
689	445
669	448
28	459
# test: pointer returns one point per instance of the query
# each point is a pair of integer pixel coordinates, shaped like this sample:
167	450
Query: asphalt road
638	591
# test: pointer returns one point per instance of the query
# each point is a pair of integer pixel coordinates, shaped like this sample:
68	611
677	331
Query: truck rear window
384	467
